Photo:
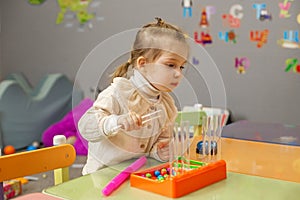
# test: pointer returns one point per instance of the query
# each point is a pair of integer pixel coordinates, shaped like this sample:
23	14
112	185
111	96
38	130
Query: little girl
114	125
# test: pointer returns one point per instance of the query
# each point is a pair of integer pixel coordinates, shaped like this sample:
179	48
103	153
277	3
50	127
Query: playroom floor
46	179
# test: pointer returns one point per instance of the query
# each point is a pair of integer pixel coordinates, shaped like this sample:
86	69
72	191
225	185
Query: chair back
36	161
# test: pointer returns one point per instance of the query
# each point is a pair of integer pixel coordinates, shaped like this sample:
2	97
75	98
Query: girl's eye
175	66
171	65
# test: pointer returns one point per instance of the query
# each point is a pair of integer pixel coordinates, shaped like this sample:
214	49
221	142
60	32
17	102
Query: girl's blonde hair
147	43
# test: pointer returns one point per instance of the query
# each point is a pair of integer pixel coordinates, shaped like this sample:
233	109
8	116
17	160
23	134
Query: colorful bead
157	173
148	175
213	151
160	178
163	171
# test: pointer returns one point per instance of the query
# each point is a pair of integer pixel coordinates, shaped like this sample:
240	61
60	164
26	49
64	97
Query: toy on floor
9	149
26	111
68	127
12	188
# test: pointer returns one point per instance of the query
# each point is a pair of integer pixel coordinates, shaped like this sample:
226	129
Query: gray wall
33	44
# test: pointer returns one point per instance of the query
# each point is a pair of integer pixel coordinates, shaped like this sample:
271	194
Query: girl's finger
162	144
135	119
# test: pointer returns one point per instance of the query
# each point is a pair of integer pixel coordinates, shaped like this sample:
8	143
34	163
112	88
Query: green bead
148	175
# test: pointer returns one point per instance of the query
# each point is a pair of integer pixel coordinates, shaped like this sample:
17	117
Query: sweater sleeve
96	122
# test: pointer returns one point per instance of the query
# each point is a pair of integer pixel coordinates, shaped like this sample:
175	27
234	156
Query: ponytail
121	71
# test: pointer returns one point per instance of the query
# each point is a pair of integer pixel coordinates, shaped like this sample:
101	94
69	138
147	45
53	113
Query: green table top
236	186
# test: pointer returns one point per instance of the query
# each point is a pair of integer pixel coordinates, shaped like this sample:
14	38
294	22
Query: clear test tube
182	145
185	135
171	154
214	129
188	144
218	137
176	147
208	139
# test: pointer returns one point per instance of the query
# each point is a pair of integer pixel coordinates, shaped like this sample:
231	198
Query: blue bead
213	144
157	173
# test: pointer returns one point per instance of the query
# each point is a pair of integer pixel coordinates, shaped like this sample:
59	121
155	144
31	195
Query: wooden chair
17	165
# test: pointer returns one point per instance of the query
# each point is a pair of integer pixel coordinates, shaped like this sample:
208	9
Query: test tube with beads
202	147
211	130
213	135
181	150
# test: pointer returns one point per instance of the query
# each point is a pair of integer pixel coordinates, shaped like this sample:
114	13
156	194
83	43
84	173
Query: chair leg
61	175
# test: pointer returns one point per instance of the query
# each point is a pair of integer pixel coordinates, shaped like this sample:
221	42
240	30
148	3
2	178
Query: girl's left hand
163	150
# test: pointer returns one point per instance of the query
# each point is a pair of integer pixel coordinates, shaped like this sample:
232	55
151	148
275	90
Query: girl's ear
141	61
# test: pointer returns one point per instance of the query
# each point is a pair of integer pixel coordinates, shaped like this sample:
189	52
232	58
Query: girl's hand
163	150
130	121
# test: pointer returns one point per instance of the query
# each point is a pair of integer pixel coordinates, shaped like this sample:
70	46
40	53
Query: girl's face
165	73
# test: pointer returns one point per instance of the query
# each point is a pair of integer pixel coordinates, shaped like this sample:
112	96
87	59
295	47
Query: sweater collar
144	87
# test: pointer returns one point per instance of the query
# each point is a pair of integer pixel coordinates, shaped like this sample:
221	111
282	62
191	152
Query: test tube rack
179	185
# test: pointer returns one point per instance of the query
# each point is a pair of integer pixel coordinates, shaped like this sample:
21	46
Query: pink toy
67	126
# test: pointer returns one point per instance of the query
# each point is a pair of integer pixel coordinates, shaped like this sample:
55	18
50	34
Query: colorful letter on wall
290	40
236	11
241	64
284	9
228	36
195	61
204	39
230	21
292	63
261	12
260	37
210	10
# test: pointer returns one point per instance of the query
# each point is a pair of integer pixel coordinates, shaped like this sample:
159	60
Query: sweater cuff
153	154
110	123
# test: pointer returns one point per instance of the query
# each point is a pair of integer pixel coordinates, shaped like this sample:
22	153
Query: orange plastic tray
181	184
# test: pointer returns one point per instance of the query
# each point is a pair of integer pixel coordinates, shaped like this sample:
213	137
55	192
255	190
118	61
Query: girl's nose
178	73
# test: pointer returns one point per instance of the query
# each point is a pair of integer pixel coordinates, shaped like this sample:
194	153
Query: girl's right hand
163	150
130	121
